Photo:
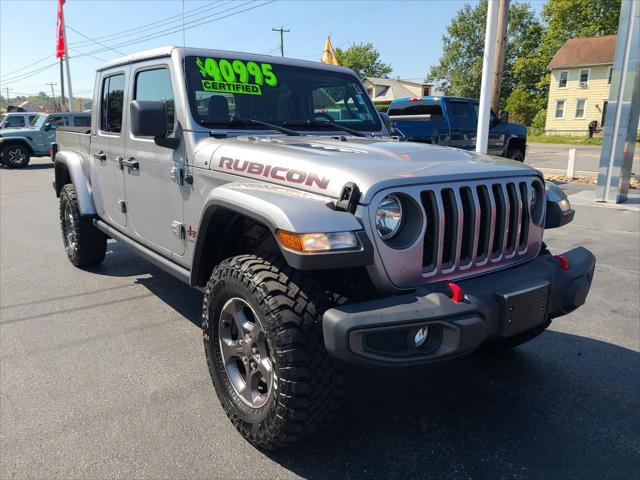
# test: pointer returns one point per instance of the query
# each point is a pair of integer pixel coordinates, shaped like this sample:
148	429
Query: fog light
421	336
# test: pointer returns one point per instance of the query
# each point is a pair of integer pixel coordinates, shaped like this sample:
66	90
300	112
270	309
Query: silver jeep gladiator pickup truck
317	237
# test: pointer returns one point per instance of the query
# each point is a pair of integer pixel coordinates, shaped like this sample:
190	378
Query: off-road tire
90	244
519	339
307	381
15	156
515	154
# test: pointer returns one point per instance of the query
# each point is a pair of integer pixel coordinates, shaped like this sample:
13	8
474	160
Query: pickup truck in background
318	238
453	122
18	145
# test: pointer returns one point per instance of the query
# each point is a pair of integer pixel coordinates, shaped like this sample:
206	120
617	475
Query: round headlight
389	217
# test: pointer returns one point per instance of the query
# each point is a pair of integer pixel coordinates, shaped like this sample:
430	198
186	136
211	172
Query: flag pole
66	61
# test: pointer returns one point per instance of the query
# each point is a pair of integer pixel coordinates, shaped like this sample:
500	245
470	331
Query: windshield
38	121
221	90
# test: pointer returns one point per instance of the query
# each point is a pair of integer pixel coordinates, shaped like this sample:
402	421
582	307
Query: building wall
596	93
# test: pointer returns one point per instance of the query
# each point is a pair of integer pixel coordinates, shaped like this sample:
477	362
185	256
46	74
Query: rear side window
82	121
58	121
462	113
416	109
15	121
155	85
112	103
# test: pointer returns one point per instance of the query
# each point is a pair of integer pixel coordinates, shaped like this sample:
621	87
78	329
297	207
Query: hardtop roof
168	51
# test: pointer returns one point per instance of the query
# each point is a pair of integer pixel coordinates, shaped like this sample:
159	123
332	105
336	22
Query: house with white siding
581	74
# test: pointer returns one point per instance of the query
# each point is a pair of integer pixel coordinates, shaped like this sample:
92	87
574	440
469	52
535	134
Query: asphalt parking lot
102	375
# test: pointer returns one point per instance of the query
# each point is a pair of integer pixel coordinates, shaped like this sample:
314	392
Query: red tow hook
457	295
564	263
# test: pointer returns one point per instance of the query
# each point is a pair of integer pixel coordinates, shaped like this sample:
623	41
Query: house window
562	79
609	74
604	113
581	106
584	77
560	108
426	91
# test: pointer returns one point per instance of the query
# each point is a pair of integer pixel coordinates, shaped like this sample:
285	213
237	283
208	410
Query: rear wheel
16	156
263	343
84	244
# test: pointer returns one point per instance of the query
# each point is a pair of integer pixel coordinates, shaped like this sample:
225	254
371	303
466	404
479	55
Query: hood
323	165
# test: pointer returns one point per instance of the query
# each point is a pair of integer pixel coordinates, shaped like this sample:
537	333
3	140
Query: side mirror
47	127
149	119
504	117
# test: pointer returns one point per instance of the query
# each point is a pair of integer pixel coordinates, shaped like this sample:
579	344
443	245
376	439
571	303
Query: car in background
16	119
453	122
18	145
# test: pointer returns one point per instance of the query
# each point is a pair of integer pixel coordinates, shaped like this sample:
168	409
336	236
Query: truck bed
77	139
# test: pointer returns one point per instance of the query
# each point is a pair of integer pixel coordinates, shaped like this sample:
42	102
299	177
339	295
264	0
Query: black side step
159	261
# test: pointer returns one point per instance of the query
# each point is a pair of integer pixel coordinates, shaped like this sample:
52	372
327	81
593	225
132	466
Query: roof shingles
585	51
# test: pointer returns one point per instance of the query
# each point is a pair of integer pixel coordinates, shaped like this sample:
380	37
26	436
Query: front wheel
264	348
16	156
516	154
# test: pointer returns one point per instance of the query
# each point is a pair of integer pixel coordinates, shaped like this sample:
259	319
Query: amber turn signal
317	242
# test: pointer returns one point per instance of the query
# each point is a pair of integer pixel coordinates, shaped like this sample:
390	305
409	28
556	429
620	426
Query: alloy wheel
245	352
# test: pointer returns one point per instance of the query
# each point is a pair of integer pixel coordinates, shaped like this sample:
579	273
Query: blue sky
406	33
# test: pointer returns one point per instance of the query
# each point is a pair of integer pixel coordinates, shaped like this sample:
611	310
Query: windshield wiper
326	123
236	121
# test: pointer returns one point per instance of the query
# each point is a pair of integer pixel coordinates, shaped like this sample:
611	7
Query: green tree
520	105
363	59
563	19
459	70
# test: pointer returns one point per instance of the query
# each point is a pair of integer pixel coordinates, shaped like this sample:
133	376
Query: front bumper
496	305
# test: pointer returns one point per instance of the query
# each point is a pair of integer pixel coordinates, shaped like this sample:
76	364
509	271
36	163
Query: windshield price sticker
235	76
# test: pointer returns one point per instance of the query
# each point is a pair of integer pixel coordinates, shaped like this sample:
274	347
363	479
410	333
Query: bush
382	107
538	123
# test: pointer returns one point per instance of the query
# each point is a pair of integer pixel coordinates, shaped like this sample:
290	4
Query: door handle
100	156
131	164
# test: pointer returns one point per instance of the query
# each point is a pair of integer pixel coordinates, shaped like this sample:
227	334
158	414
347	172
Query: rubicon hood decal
283	174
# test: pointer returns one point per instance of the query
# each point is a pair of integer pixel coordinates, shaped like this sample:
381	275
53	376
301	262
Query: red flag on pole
60	47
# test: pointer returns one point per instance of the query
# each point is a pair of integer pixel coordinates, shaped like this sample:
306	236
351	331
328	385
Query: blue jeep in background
18	145
452	122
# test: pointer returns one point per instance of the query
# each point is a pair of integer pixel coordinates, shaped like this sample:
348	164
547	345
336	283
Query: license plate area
523	307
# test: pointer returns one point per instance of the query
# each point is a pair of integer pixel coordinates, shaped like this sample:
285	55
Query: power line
26	66
196	23
148	26
93	40
28	74
12	78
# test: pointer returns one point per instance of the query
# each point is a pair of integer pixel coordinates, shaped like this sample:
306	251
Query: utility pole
498	58
62	99
482	136
8	96
282	32
53	94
